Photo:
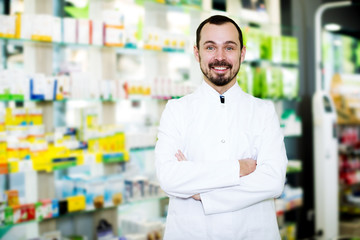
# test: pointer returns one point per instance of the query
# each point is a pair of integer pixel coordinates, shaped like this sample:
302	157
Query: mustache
218	63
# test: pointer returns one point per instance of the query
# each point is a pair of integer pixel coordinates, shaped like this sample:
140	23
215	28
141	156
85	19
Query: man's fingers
247	166
180	156
197	197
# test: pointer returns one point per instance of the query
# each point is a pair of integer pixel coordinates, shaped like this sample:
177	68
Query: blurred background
83	84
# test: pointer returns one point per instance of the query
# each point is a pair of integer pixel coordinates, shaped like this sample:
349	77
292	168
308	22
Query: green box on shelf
276	86
357	55
113	157
265	47
242	79
9	216
5	97
284	49
64	166
290	50
272	84
294	50
275	50
17	97
252	41
39	215
257	87
267	82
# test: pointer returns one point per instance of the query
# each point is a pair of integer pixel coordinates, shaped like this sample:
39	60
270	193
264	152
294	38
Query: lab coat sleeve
186	178
266	182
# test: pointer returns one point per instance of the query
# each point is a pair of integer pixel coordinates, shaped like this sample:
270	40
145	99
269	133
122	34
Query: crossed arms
222	186
247	166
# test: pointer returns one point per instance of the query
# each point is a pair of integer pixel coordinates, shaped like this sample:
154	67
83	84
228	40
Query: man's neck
221	89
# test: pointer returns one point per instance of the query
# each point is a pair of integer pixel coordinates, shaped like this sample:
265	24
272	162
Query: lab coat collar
230	95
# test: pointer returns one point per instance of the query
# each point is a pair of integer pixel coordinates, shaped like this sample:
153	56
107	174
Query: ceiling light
332	27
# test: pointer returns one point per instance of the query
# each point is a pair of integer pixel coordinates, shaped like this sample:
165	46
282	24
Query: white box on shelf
19	83
69	30
56	29
26	23
50	88
114	28
108	89
83	31
62	87
38	86
97	33
291	123
7	25
42	28
80	88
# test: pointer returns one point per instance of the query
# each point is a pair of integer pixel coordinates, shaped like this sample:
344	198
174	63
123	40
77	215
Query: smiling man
220	154
220	58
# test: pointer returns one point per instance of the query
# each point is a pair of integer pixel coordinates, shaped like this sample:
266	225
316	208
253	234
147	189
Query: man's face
219	53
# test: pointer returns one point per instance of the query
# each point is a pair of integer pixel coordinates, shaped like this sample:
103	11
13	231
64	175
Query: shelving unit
103	64
349	180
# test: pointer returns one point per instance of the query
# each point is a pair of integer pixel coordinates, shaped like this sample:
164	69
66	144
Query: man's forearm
247	166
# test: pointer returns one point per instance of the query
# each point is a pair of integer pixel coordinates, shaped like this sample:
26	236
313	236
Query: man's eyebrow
230	42
227	42
209	42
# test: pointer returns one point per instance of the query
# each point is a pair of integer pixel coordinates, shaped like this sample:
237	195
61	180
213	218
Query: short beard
219	80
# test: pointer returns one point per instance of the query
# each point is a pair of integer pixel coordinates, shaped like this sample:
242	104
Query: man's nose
220	54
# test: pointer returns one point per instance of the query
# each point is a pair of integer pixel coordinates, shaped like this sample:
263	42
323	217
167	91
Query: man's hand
197	197
247	166
181	157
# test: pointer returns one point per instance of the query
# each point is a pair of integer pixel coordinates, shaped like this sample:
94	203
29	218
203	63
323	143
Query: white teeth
220	68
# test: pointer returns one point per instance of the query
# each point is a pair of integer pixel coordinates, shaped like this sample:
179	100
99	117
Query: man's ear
196	53
243	52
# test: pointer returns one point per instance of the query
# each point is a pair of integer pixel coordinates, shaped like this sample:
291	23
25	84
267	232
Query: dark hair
217	20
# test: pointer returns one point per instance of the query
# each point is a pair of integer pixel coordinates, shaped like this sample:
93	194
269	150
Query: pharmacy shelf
6	227
21	99
119	49
129	50
124	208
289	206
293	136
295	100
171	5
130	98
265	63
97	158
141	149
64	163
293	170
350	209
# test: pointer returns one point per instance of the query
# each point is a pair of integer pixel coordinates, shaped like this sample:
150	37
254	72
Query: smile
220	68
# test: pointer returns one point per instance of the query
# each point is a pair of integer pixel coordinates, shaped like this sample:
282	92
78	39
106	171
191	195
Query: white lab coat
213	137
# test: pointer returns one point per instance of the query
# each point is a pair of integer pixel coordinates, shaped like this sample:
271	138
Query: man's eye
210	48
229	48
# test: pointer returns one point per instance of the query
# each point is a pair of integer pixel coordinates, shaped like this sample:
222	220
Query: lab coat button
223	140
